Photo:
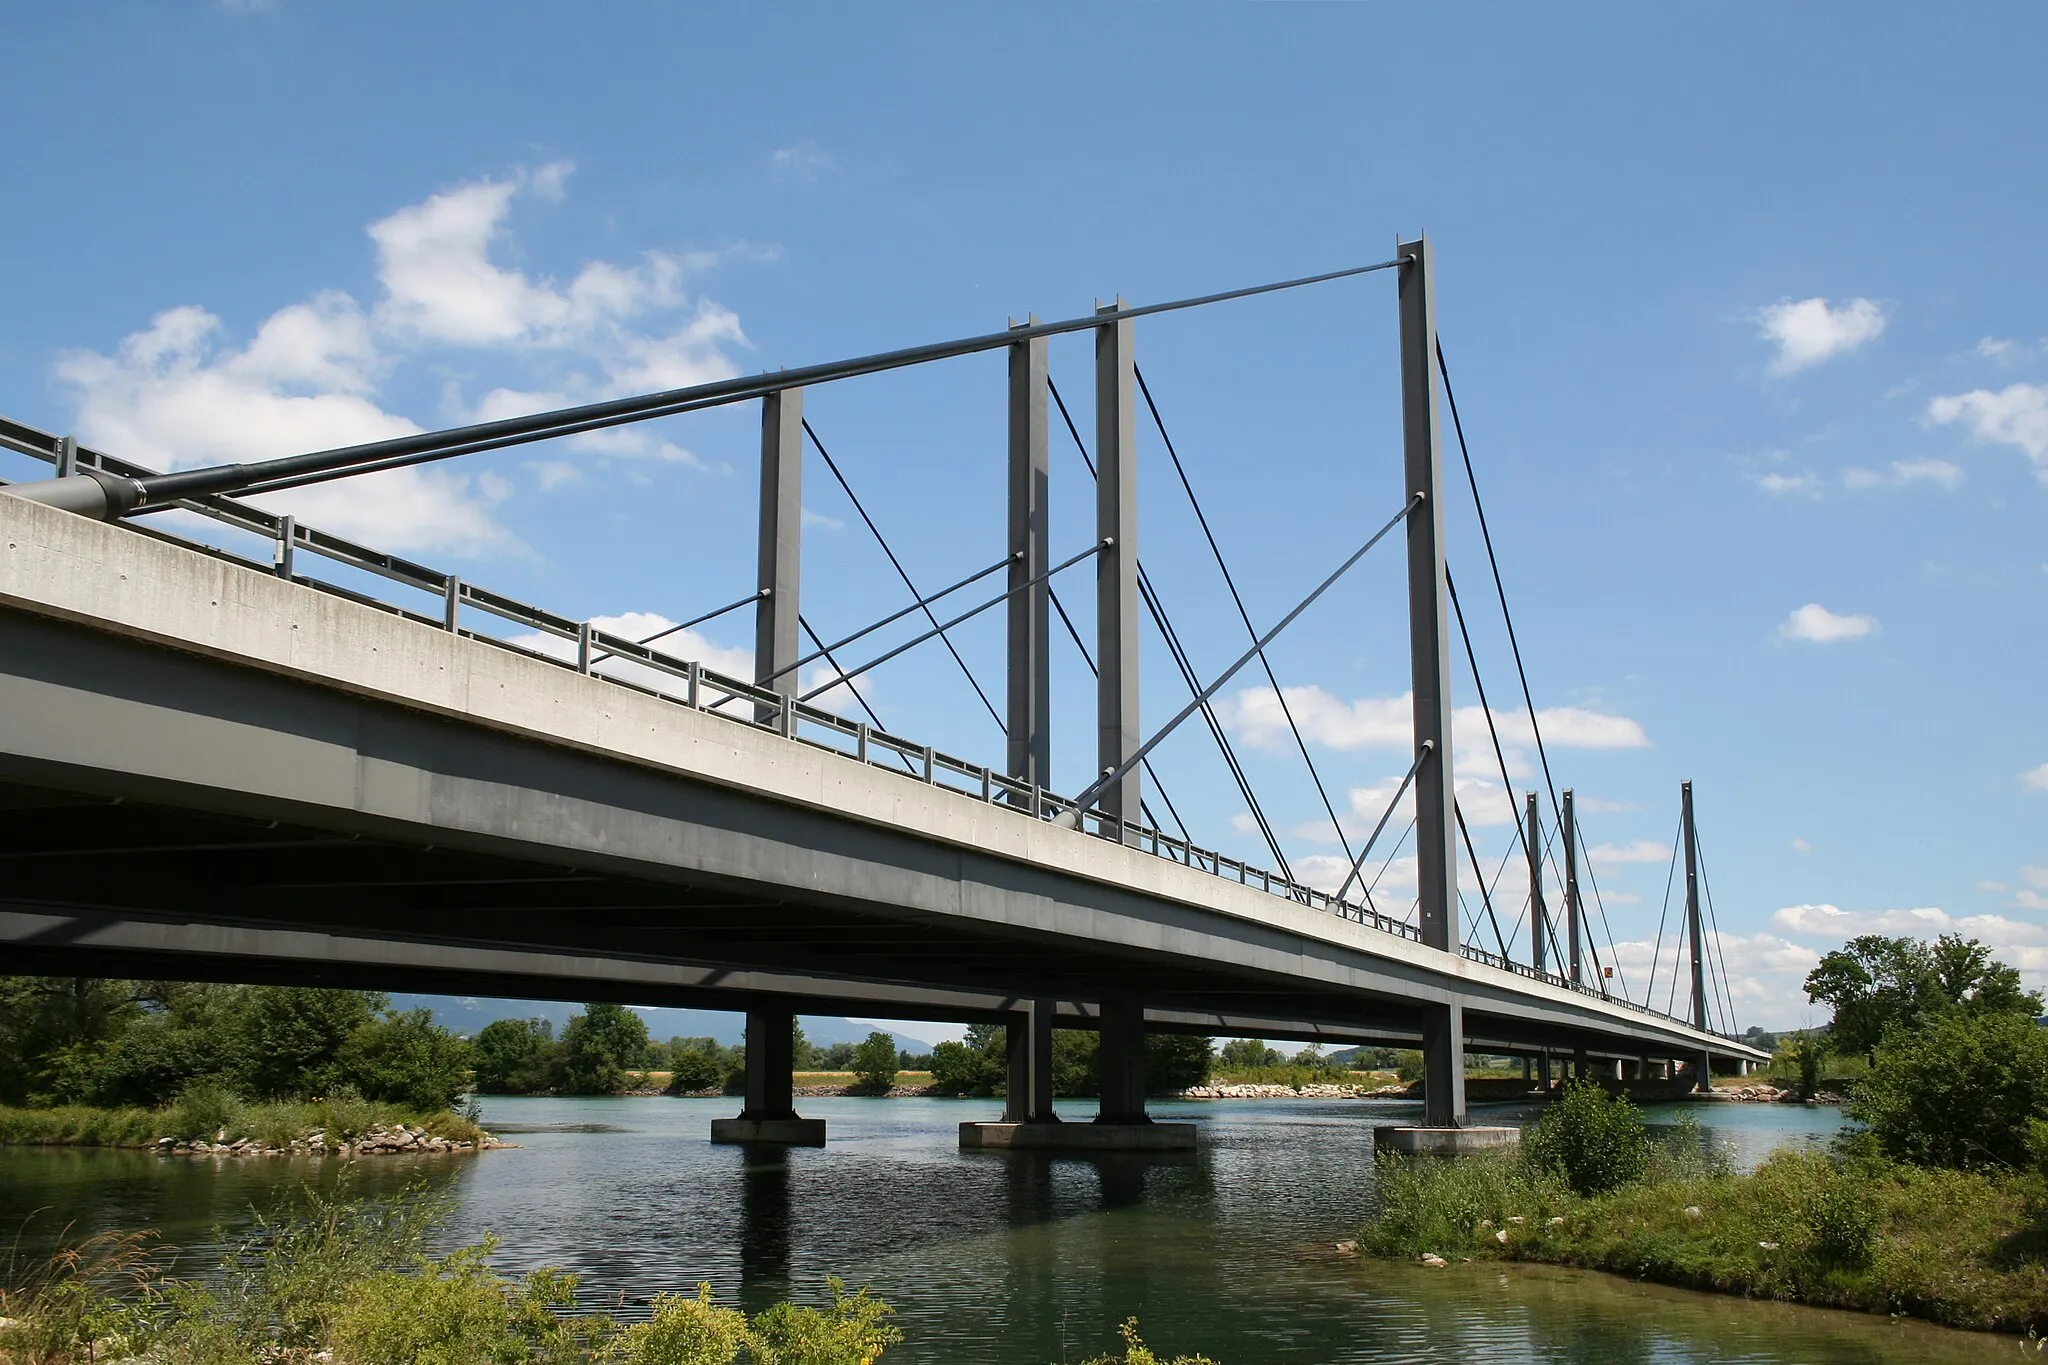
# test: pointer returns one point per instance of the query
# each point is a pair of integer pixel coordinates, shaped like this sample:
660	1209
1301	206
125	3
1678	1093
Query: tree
405	1059
1959	1090
1176	1061
285	1038
978	1066
1876	983
515	1057
1247	1054
1076	1062
803	1053
874	1062
597	1047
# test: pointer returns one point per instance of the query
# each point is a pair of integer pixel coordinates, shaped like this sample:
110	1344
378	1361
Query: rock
1768	1246
1348	1247
1486	1222
1692	1210
1518	1219
1501	1236
1433	1261
1557	1222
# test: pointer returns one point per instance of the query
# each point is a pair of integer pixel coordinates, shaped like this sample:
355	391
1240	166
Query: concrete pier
770	1114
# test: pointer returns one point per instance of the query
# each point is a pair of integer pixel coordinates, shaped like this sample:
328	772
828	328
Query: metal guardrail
705	690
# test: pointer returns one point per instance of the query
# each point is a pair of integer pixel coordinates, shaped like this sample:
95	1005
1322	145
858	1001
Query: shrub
404	1059
692	1069
1593	1142
958	1069
452	1311
1431	1204
204	1111
874	1062
683	1331
848	1332
1843	1217
344	1113
1958	1091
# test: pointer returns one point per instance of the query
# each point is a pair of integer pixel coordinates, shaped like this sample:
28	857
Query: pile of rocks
1765	1093
399	1139
1229	1091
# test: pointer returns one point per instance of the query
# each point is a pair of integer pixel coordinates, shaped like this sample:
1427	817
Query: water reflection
1022	1257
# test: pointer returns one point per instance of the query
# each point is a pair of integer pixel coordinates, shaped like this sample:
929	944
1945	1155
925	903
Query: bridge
218	765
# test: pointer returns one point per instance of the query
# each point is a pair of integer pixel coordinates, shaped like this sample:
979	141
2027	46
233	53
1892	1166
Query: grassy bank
205	1117
347	1281
1953	1247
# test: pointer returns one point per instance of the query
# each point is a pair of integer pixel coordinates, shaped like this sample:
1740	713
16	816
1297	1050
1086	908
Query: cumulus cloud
1809	331
1817	624
2016	415
1903	472
1255	715
1785	485
1831	921
799	161
180	393
2035	779
1640	851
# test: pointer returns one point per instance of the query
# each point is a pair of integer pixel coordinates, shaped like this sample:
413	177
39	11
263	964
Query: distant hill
467	1014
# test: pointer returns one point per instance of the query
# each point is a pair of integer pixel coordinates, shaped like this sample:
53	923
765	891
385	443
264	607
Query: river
1013	1259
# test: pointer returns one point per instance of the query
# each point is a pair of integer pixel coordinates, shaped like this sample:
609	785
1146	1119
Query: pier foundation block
1445	1141
790	1132
1079	1137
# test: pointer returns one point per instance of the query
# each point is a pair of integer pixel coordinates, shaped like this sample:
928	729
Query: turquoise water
1007	1257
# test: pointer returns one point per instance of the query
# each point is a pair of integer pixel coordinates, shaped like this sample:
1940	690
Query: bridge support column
1030	693
1121	1125
781	541
1029	1036
1116	566
770	1112
1704	1063
1429	658
1122	1058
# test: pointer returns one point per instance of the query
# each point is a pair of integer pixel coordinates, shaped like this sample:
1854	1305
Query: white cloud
1801	846
1640	851
2036	876
1810	331
2016	415
1602	806
1255	715
1816	623
1904	472
1831	921
801	161
178	394
2036	779
1993	348
1782	485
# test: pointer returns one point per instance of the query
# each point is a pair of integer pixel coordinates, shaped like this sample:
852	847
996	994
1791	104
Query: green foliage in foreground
1962	1091
353	1279
1845	1230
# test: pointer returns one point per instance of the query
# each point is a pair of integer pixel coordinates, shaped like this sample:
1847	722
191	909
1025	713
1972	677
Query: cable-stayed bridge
233	767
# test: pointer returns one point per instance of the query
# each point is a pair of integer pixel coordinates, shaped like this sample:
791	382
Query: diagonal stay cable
1194	684
1484	898
903	574
1593	880
1164	624
1428	747
923	604
1499	754
1664	913
667	631
873	719
1070	818
1514	641
1230	582
1158	786
1720	949
967	615
1392	854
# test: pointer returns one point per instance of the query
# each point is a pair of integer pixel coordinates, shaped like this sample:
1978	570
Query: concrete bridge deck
195	754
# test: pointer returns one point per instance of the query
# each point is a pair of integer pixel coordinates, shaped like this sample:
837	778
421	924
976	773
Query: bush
874	1062
692	1069
1593	1142
344	1113
203	1111
1957	1091
1430	1204
404	1059
848	1332
515	1057
684	1331
1136	1353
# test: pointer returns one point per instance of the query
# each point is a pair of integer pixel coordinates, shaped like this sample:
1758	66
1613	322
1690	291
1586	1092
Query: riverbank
1956	1248
347	1128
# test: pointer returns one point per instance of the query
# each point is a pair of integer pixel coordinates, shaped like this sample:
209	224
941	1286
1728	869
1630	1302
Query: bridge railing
588	651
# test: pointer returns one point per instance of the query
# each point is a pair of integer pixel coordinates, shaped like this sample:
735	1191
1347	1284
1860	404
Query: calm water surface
1019	1259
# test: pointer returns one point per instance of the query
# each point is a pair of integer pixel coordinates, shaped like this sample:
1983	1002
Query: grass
204	1116
1961	1249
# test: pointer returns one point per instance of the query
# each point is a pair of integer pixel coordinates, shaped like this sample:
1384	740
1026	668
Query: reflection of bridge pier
764	1230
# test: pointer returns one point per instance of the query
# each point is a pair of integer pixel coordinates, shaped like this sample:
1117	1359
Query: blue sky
1744	308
